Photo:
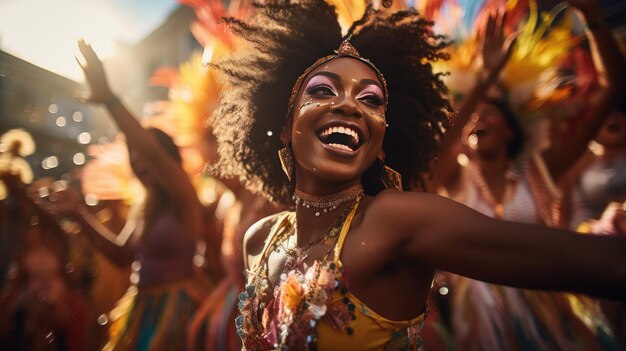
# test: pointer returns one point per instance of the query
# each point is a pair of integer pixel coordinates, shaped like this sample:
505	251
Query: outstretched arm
610	67
495	51
163	168
452	237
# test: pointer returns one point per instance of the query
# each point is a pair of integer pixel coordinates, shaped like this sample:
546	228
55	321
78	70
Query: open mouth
340	137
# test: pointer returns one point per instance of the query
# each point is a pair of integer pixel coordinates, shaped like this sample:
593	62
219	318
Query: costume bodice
492	317
165	252
313	309
598	185
532	195
519	207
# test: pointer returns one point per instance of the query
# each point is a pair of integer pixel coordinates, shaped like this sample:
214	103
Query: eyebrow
331	75
335	76
371	82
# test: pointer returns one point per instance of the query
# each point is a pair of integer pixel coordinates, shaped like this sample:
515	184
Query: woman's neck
319	187
494	167
493	172
316	213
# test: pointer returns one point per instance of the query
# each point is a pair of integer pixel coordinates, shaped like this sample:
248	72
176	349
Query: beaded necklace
478	179
300	298
297	255
327	203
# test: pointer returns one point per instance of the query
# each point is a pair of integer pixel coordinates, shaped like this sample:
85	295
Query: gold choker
327	203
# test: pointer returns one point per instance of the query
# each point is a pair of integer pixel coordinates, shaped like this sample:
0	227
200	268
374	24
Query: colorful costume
598	185
155	311
492	317
312	308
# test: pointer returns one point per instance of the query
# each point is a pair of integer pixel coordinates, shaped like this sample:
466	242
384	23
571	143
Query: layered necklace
327	236
485	192
327	203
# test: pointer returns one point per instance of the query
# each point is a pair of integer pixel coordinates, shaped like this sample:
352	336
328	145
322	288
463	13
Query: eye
321	89
372	99
372	95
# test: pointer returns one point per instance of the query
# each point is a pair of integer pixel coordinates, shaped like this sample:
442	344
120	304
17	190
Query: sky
44	32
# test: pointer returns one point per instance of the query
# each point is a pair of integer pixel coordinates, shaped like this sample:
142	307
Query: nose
347	106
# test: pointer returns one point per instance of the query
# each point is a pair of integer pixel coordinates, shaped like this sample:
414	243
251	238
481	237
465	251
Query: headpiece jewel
346	49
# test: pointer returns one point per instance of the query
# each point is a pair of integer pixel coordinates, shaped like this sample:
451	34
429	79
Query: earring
391	178
286	160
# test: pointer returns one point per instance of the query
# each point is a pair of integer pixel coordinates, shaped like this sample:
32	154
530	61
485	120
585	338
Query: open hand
496	49
94	74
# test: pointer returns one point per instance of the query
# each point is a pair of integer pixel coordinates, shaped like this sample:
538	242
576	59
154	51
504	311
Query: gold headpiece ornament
345	50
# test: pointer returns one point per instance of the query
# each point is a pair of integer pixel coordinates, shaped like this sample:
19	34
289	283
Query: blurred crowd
156	262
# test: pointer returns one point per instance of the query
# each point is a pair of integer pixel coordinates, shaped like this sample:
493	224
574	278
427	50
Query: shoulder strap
282	223
344	231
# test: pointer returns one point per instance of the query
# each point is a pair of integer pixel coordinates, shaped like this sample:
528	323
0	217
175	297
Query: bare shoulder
391	204
408	214
422	225
256	235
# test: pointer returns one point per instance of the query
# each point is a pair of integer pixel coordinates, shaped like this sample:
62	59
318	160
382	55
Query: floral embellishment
292	290
287	317
299	302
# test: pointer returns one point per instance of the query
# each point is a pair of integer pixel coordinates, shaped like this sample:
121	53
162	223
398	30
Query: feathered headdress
532	76
108	175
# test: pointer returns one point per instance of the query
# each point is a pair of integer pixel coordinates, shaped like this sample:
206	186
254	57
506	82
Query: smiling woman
343	87
258	102
333	113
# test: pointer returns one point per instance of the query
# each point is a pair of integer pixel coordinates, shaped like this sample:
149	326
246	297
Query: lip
337	151
340	123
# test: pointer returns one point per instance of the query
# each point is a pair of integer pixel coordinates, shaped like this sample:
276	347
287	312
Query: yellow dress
345	324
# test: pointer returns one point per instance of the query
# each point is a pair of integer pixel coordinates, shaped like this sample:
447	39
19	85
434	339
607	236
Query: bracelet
112	101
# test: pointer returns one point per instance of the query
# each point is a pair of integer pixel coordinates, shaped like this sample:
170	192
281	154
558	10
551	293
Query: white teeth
340	146
342	130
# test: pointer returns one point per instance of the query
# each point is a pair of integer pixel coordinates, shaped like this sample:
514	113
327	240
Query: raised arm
452	237
610	67
65	204
163	168
495	51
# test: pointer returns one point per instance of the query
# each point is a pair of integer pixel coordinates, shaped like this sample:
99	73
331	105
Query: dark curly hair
280	42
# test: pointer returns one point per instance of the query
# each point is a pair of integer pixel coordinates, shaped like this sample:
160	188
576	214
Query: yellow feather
539	49
348	11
